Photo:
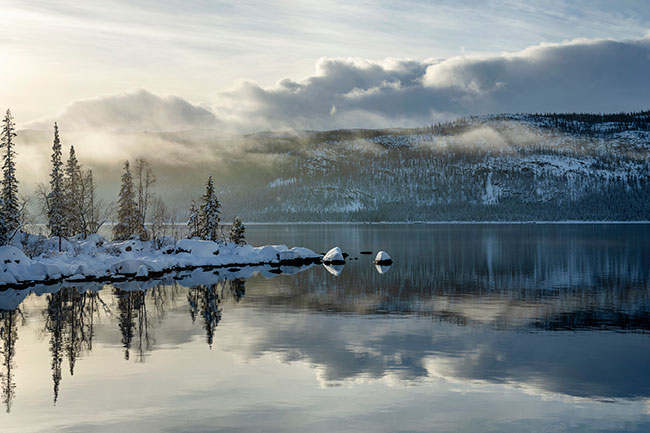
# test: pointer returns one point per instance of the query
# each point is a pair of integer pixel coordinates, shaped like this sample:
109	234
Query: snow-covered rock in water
383	258
334	256
333	269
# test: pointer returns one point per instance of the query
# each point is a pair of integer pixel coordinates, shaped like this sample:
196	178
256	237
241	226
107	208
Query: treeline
573	123
72	208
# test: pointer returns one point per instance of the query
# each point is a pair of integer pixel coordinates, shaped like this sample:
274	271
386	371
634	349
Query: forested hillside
500	167
505	167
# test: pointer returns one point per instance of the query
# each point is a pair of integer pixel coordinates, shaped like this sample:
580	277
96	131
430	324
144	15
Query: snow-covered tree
11	207
55	199
145	179
237	232
95	211
74	200
194	222
159	217
210	213
128	218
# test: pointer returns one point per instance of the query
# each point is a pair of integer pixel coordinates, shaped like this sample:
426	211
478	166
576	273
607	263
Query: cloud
131	112
581	75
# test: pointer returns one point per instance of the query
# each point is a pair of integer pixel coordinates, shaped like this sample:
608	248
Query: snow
95	258
143	272
335	255
383	258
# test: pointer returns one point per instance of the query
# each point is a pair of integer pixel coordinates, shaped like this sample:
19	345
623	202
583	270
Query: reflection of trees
133	321
238	288
70	322
9	334
205	301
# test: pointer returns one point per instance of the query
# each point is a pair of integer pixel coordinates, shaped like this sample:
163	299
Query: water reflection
69	321
204	301
478	309
9	321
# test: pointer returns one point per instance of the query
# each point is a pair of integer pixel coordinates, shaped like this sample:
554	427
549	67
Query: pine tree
210	213
237	232
11	207
74	201
194	222
56	215
128	219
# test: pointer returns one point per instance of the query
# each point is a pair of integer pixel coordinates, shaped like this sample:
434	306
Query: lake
474	328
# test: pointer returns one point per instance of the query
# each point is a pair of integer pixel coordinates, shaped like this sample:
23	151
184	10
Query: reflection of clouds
350	349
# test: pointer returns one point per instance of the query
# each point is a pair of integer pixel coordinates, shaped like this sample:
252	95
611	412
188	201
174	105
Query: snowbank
95	259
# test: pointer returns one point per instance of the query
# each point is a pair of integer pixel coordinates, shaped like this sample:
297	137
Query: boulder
383	258
334	257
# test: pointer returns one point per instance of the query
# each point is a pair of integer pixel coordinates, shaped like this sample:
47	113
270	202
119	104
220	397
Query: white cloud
581	75
129	112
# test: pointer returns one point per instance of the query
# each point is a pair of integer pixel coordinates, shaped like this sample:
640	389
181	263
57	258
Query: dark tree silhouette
9	334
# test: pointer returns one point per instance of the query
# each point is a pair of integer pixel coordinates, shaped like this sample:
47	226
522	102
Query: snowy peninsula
96	259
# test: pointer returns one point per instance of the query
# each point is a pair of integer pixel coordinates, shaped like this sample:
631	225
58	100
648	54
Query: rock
334	256
383	258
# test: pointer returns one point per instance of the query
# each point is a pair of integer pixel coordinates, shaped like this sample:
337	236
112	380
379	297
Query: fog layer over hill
508	167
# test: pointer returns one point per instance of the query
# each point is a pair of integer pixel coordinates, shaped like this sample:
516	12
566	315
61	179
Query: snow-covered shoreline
95	259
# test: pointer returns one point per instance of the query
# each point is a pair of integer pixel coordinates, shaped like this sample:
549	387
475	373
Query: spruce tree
74	201
91	205
237	232
145	178
127	213
56	212
210	213
11	207
194	222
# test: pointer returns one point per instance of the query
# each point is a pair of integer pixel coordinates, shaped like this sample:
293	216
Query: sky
251	65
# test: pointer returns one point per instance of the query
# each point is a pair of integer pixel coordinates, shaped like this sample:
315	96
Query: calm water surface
504	328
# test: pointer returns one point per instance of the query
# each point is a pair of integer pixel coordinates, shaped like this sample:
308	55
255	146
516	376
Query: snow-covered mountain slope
499	167
507	167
